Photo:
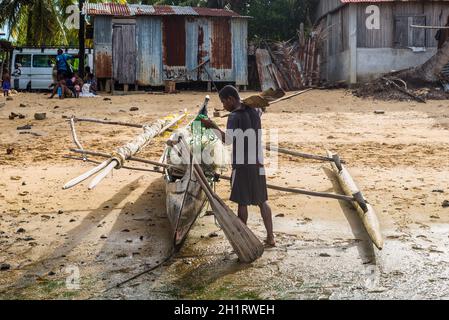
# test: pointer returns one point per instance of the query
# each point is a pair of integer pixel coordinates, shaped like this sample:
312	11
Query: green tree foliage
41	22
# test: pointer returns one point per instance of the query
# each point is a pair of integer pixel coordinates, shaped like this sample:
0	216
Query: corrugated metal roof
375	1
128	10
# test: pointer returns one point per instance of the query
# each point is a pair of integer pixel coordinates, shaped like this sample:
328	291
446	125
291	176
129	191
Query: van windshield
24	60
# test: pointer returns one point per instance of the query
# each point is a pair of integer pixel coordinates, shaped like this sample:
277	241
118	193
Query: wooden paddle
245	243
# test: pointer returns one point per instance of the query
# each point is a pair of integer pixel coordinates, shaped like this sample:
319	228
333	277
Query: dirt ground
77	244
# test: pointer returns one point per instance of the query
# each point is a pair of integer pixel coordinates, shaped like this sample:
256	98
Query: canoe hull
185	201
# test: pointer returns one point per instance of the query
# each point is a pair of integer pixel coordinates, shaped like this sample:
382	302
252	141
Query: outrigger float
188	186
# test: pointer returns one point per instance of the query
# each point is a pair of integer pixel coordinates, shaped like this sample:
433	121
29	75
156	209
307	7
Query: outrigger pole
124	153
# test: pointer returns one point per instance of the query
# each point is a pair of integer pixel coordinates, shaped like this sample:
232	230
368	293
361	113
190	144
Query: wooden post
353	43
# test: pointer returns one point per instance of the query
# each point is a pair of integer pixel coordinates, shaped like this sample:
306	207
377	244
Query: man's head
230	98
60	51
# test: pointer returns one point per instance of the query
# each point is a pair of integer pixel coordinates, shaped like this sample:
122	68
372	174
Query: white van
32	69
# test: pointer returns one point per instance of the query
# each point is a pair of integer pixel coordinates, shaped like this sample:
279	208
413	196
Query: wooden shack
143	45
364	39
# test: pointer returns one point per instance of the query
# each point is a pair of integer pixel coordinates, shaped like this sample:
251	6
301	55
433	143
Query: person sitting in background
54	77
6	83
87	72
93	83
62	90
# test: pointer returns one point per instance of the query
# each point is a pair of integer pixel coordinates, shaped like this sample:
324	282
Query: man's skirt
249	185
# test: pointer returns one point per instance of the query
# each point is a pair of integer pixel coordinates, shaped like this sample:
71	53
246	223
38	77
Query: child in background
77	83
6	83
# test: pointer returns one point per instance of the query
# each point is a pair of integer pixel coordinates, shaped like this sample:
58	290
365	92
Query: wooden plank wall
436	13
325	6
338	31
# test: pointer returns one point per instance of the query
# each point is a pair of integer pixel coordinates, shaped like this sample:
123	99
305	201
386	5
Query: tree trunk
430	71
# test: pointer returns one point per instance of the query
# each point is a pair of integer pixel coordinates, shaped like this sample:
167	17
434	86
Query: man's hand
209	124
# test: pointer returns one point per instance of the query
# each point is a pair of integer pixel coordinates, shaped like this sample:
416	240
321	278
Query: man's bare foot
269	242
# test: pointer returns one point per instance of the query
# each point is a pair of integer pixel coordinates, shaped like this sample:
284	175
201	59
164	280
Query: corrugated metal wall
204	47
169	49
240	51
191	48
149	51
103	47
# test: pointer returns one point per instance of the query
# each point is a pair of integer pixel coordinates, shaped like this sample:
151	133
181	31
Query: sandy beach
77	244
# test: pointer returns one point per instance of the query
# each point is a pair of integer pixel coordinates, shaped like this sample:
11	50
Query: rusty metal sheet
204	45
149	51
265	69
126	10
209	12
103	62
141	10
191	48
221	43
240	51
174	40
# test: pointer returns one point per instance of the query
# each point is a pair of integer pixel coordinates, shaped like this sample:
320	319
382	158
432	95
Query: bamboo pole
125	152
291	96
86	175
117	123
280	100
74	135
300	154
305	192
107	155
269	186
124	167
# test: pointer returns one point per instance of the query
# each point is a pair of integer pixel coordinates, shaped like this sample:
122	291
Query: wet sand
399	159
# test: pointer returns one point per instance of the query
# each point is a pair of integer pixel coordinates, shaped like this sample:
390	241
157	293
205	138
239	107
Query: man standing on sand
249	185
62	64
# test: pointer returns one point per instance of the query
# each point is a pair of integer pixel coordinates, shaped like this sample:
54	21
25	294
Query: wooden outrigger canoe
365	211
185	200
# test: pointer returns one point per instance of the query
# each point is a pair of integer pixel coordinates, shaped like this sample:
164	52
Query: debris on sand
445	204
22	105
31	133
26	127
395	89
5	267
9	150
40	116
134	109
14	115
